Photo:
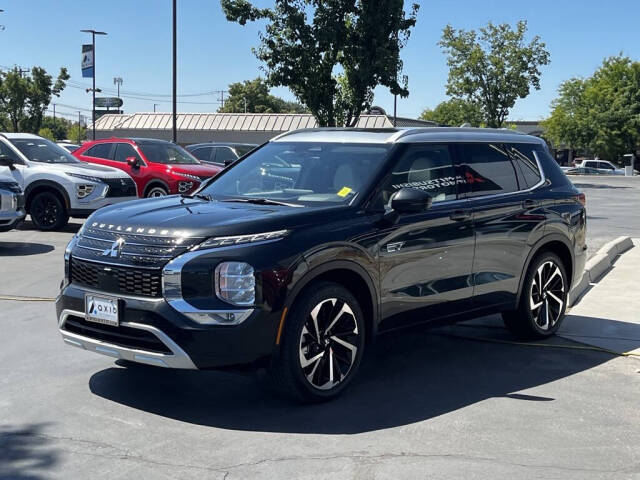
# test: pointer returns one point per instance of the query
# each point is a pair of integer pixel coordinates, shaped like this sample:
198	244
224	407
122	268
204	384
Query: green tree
47	133
58	126
24	99
569	123
599	114
253	96
494	67
455	112
77	133
307	44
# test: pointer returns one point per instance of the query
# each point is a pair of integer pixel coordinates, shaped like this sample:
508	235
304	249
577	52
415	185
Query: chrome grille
146	251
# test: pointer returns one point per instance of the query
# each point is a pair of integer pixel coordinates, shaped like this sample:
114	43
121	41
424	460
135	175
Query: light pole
93	90
117	81
1	26
175	77
154	107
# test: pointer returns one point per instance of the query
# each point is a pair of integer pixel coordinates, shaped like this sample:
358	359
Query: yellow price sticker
344	191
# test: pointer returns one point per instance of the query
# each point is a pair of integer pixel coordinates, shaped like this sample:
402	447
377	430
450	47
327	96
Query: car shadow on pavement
68	228
23	249
25	453
408	377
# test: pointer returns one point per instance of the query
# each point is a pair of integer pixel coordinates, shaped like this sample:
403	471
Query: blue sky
213	52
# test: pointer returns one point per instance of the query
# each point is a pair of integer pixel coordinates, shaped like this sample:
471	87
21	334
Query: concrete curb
597	265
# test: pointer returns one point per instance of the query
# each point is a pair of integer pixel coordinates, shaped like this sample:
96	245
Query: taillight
581	197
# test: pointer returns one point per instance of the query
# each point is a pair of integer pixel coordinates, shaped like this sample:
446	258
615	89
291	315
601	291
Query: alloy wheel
46	212
547	295
157	192
328	343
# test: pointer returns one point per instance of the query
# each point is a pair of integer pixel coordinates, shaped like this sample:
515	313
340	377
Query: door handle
460	215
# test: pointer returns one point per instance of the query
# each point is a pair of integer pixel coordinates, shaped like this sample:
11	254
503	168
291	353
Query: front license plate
101	310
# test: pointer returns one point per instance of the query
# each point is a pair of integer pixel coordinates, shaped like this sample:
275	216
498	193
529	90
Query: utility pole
54	114
93	90
245	104
1	26
79	127
154	107
175	75
222	92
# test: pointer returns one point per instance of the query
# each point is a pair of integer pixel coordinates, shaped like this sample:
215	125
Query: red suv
158	167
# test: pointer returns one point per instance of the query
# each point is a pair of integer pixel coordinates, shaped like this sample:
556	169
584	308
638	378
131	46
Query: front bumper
189	344
89	205
10	220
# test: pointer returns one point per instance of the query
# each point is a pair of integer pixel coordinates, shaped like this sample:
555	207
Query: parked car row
53	182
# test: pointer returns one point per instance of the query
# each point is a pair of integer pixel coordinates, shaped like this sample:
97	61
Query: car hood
202	218
203	171
83	168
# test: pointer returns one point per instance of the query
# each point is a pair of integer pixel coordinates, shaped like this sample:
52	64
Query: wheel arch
351	276
554	243
45	186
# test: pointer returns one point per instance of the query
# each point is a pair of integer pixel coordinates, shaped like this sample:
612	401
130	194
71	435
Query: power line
146	94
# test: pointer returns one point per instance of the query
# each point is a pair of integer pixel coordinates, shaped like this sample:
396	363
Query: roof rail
336	129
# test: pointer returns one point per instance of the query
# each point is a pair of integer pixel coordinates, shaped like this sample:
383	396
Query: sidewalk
608	315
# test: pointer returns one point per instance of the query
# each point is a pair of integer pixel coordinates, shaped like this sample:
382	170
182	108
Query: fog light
235	283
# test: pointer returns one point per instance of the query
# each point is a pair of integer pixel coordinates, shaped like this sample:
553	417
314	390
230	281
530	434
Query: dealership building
226	127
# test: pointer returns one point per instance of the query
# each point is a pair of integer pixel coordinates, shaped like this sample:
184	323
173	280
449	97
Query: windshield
43	150
167	153
301	173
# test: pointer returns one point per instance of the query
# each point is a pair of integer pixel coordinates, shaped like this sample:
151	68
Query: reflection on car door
506	217
425	258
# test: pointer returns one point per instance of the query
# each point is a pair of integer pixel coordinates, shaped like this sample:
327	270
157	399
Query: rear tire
48	212
543	300
322	345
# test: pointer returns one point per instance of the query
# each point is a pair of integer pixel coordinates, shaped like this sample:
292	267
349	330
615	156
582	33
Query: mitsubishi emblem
115	249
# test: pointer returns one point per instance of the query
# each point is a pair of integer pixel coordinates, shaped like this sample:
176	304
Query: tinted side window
591	164
202	153
225	153
605	166
6	151
525	161
486	169
123	151
426	167
101	150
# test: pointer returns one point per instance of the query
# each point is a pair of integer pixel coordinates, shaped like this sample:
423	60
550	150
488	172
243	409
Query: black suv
370	230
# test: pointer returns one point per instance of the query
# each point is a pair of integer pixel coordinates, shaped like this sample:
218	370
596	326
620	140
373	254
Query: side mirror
6	161
410	200
133	162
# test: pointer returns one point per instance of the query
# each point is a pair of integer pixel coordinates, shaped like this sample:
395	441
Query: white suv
56	185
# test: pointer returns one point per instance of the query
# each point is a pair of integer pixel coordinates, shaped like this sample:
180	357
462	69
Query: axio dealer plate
100	309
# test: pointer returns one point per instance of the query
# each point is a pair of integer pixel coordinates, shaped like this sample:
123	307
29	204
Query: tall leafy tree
493	67
599	114
253	96
331	54
455	112
24	99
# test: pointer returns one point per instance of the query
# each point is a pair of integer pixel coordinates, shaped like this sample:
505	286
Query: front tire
48	212
157	191
543	300
322	344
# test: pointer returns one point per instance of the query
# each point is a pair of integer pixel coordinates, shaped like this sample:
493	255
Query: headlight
235	283
188	175
85	177
184	186
84	190
240	239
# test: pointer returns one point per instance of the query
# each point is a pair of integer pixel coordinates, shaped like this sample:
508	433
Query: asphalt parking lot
428	404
